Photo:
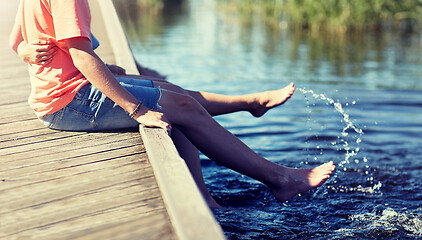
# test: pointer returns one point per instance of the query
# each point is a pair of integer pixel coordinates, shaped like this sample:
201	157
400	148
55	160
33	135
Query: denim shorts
91	110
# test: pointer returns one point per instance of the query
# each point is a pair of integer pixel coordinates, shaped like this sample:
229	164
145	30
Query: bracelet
138	107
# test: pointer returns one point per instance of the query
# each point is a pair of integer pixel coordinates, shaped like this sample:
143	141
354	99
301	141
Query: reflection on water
374	60
376	78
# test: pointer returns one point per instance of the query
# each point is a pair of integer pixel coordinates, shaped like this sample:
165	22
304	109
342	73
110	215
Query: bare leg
257	103
216	104
191	155
283	182
221	146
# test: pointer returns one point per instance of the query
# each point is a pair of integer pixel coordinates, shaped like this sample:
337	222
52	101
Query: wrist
136	111
142	111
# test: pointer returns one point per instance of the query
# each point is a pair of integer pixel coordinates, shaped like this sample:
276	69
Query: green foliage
337	15
151	4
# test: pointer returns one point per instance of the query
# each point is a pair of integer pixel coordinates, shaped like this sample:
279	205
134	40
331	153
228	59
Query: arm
39	52
91	66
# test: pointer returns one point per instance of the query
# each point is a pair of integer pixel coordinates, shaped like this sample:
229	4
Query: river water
376	192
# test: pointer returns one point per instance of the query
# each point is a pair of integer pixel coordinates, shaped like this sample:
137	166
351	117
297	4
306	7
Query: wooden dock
78	185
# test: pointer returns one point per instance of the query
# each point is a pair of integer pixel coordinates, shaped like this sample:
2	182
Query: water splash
349	126
387	222
364	190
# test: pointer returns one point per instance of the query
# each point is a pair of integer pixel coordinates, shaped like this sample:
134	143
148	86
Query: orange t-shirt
54	85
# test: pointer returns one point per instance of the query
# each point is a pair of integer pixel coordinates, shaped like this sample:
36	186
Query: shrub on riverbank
331	15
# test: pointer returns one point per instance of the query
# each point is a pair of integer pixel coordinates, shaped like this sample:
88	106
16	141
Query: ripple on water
385	223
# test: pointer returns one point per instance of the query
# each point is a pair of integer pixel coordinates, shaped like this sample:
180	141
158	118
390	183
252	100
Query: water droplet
348	128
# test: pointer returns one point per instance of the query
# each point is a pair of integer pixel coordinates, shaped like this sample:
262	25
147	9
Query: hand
37	52
151	118
116	70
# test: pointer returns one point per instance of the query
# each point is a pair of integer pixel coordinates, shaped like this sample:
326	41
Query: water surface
376	194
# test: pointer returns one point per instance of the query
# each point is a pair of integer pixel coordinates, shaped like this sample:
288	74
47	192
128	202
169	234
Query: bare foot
297	181
266	100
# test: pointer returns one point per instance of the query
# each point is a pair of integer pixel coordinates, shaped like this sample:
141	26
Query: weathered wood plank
34	206
61	187
64	185
15	110
72	143
62	228
185	204
40	138
18	136
30	165
79	182
18	83
131	230
20	127
18	118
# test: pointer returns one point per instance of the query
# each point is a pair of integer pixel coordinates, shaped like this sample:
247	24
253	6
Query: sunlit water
358	103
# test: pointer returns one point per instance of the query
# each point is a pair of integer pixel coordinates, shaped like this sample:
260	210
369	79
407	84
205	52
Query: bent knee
189	106
171	87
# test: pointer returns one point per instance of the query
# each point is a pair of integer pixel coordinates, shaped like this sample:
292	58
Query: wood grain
71	185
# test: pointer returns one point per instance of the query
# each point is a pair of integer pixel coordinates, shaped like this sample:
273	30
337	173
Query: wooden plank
65	183
69	182
18	94
18	117
17	137
110	224
78	200
184	202
87	203
5	100
18	82
20	127
37	139
34	162
131	229
62	145
15	110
